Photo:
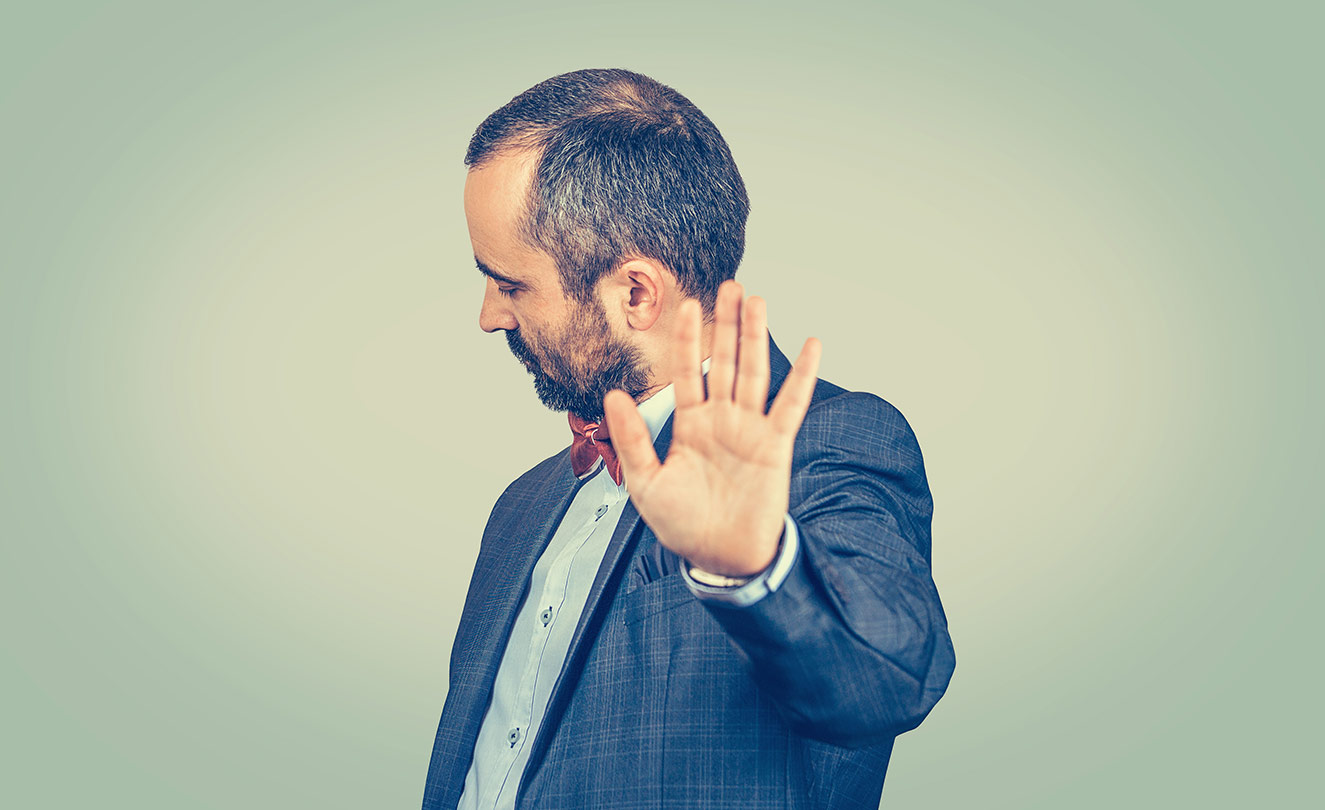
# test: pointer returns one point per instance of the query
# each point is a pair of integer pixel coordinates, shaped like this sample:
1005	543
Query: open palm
720	498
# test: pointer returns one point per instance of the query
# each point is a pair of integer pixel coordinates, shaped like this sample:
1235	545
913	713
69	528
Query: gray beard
622	369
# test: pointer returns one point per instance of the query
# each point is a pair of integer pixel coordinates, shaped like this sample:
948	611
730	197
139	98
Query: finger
631	439
793	398
722	371
752	360
686	363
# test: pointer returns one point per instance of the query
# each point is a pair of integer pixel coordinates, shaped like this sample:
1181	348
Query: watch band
747	591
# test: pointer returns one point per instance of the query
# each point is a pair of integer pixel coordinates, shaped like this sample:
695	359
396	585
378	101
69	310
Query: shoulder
538	476
858	422
855	449
524	494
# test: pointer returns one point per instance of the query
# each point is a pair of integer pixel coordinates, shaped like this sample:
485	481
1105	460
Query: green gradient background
1078	246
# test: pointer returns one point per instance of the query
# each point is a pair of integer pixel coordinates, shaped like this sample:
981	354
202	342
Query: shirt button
514	736
546	615
602	510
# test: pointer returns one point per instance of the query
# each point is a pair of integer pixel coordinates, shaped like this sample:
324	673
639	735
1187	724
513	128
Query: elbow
874	710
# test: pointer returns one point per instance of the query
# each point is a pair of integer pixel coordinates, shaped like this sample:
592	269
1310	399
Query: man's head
597	201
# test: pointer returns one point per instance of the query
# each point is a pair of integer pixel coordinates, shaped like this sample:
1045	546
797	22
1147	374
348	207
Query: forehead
496	199
496	195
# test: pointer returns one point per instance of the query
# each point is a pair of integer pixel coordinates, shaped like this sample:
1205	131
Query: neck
660	381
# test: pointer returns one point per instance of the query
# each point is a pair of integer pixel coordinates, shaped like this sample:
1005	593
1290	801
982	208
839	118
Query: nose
496	311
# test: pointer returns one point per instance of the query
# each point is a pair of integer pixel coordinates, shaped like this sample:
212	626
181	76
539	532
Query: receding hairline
630	97
516	146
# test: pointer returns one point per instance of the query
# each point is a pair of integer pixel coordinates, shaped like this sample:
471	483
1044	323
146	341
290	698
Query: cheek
537	340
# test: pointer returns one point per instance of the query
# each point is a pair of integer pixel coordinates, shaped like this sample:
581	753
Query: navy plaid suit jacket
669	701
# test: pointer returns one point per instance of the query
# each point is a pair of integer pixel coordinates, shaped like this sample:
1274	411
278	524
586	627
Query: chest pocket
651	598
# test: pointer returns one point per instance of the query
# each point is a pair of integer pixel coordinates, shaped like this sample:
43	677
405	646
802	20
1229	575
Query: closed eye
507	291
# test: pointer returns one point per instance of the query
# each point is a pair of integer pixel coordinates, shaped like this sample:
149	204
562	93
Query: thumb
630	438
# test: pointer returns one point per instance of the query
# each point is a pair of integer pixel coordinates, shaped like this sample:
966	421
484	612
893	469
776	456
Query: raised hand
720	498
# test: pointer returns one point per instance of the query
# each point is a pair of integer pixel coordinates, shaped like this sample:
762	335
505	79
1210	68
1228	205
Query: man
719	594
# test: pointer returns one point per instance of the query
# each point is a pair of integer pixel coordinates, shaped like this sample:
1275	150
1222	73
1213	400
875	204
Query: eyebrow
493	274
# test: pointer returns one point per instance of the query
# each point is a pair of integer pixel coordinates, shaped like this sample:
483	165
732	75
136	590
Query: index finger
793	398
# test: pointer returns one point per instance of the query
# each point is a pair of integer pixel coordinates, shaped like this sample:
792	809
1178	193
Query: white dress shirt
559	587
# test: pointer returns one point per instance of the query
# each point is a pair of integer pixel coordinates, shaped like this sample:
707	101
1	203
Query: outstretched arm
853	645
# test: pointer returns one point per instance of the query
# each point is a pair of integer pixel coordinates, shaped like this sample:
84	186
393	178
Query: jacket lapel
511	546
613	566
516	544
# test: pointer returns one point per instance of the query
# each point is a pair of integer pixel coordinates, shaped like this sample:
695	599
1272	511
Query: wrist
727	580
745	593
718	580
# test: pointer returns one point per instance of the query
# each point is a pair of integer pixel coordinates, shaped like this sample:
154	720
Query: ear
642	286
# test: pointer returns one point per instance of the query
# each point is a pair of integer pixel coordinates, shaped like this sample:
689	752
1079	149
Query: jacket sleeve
853	646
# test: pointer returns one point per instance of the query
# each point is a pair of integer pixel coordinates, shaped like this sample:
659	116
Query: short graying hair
625	167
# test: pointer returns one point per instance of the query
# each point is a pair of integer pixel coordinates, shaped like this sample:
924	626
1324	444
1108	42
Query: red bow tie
590	441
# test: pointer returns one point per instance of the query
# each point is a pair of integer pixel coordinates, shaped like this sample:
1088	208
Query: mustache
519	348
